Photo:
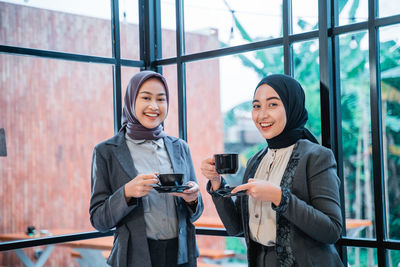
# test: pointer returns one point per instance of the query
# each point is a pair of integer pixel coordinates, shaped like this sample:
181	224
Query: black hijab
130	123
292	96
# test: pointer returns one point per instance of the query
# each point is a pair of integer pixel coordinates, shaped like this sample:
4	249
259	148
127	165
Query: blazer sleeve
228	210
321	217
107	208
194	214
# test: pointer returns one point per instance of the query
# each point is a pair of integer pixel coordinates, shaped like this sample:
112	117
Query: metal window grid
327	35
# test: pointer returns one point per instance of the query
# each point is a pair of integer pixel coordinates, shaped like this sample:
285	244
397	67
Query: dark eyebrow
269	98
273	97
148	93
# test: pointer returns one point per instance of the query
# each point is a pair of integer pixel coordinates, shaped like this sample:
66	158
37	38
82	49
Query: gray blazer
112	168
309	219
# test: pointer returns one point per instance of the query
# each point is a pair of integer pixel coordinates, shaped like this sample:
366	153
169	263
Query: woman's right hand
140	185
209	171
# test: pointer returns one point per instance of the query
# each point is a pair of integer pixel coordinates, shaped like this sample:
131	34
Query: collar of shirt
281	151
159	142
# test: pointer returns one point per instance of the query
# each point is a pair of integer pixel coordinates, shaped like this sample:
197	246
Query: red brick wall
54	112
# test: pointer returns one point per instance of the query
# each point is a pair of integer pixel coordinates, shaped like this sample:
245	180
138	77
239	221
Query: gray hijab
130	123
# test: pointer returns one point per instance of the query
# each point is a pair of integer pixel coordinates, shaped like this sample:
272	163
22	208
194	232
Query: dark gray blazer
309	219
112	168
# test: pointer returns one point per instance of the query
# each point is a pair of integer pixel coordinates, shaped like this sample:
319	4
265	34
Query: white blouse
262	220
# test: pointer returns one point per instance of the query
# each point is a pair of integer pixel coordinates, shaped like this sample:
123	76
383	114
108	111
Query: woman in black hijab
290	214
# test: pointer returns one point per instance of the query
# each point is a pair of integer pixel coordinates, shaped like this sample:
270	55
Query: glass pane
221	251
219	95
204	121
388	8
360	257
129	29
228	23
394	257
390	86
356	134
168	24
305	19
306	71
88	252
171	123
67	26
126	75
352	11
54	112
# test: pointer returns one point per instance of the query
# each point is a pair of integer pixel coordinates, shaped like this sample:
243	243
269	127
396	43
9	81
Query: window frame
328	38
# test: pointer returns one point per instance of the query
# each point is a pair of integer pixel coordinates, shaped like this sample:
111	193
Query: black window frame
327	35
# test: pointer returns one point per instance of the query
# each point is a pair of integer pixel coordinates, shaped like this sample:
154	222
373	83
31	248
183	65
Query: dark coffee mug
170	179
226	163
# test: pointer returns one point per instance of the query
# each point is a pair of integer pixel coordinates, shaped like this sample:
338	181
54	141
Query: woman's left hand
191	194
261	190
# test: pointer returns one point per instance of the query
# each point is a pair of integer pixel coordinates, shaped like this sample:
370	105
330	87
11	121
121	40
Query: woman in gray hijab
153	227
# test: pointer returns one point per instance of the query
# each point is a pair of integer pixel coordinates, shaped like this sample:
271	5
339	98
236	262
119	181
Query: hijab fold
292	96
130	123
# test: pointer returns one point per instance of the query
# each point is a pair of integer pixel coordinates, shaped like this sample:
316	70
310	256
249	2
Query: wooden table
354	226
89	249
210	222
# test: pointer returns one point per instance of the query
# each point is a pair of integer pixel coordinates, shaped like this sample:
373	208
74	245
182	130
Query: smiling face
151	103
268	112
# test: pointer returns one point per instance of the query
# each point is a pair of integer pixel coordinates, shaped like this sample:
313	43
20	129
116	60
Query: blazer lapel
122	154
287	178
173	151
